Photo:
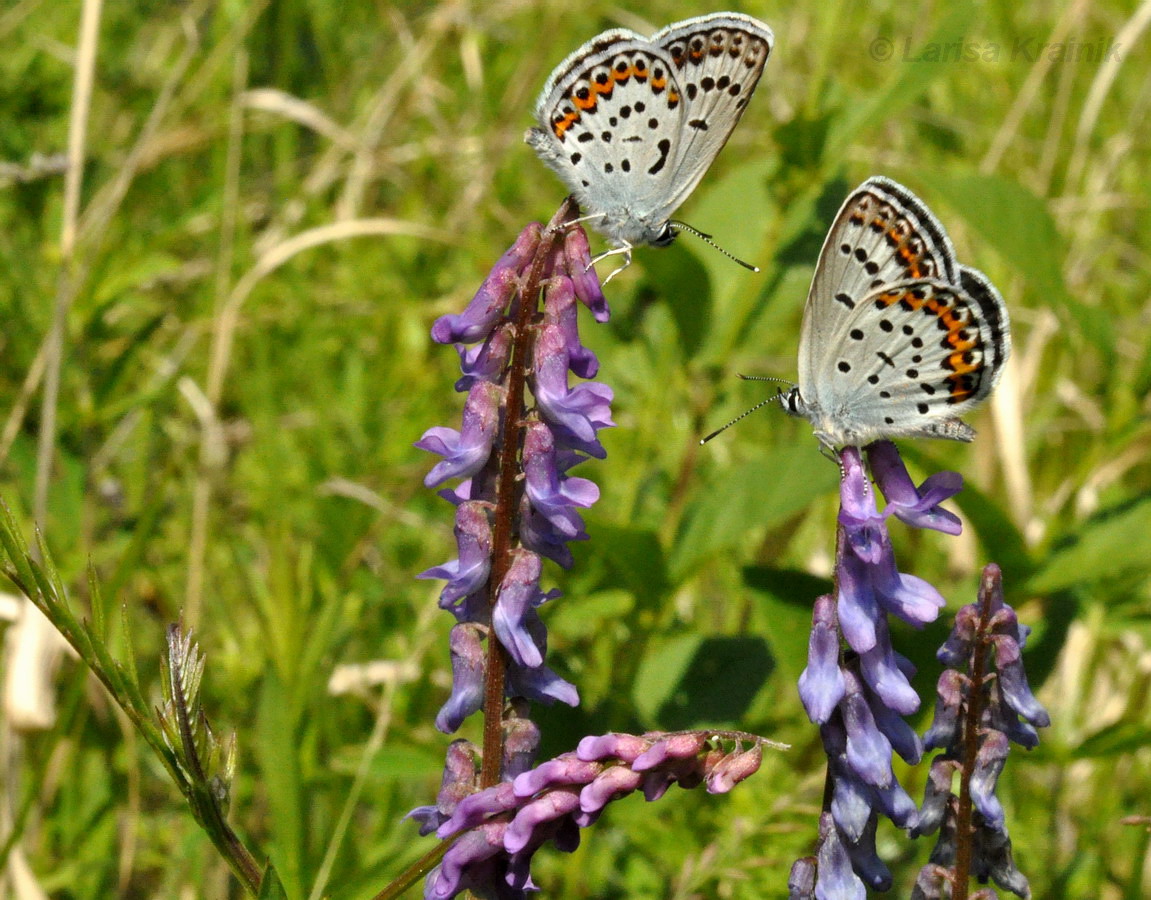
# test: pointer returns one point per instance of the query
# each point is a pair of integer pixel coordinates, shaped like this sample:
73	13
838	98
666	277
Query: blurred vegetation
279	198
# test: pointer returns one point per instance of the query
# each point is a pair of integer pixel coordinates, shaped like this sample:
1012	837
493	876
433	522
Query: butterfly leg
625	250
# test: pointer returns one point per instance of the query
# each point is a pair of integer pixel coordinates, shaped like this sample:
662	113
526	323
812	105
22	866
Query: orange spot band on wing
559	128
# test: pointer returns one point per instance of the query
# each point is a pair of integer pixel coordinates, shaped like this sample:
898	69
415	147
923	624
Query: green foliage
236	415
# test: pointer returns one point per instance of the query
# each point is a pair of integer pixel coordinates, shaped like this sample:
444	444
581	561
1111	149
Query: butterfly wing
608	117
912	357
717	61
883	234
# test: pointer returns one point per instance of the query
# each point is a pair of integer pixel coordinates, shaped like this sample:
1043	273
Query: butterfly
631	124
898	338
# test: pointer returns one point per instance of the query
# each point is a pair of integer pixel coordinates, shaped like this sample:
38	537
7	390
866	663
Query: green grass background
240	392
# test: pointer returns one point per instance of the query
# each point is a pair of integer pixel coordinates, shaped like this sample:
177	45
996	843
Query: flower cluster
977	715
506	824
513	461
859	696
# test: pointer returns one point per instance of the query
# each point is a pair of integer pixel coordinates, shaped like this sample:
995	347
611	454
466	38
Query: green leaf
786	598
678	278
270	886
635	559
1115	542
750	497
1014	221
693	682
1115	740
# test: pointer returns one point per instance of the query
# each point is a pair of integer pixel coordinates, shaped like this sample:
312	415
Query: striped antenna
778	398
706	238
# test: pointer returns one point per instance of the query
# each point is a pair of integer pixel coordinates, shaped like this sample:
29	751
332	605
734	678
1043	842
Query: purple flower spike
821	684
577	258
476	322
465	451
919	508
978	710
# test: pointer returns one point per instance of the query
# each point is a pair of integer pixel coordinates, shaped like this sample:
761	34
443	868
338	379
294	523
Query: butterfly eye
665	236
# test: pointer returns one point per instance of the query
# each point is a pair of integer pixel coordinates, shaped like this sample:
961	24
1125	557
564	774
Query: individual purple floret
856	687
983	704
507	823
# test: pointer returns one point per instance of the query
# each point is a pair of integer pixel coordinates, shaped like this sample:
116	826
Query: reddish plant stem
973	713
504	527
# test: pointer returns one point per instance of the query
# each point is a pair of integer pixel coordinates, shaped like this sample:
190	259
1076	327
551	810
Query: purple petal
486	307
612	782
486	361
881	672
624	747
516	602
857	609
560	309
835	879
576	413
1013	682
465	451
734	768
585	281
868	750
476	808
674	747
468	658
936	796
521	741
944	730
821	684
541	684
469	572
989	761
564	770
851	804
462	867
801	879
549	807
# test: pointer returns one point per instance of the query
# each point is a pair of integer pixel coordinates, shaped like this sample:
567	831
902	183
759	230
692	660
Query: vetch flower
489	303
465	451
856	687
980	711
506	824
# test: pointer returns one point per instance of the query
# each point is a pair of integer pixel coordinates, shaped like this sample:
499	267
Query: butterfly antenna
778	398
706	238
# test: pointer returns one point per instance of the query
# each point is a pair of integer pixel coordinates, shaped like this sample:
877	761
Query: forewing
717	61
608	116
882	235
